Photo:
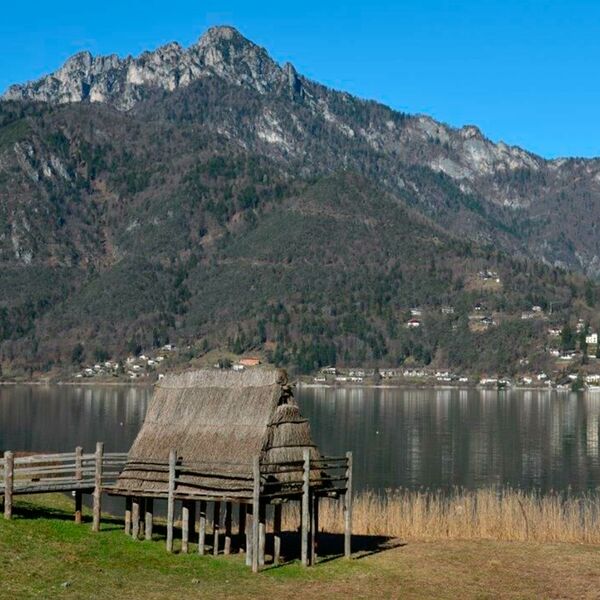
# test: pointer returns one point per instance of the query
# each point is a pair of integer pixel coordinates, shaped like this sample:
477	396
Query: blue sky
525	72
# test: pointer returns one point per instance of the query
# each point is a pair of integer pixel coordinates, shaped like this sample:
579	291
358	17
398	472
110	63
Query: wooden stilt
9	479
348	508
202	528
97	508
262	533
185	526
142	517
242	528
135	518
227	546
277	534
305	508
78	477
149	518
171	500
128	515
249	541
255	513
314	528
216	527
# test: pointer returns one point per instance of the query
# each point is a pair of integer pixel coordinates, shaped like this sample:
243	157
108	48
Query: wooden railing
61	472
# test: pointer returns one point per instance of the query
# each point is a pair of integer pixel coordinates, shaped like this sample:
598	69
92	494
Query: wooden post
314	528
262	533
142	516
255	513
78	477
135	518
128	515
277	534
171	500
202	528
98	486
248	531
149	518
216	527
9	482
227	547
305	507
242	527
185	526
348	508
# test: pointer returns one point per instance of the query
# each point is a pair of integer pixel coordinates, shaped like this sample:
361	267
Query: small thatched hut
238	437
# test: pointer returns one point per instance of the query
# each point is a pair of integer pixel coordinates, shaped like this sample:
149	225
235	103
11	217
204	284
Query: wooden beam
202	528
78	477
216	527
9	479
255	512
348	508
305	521
277	534
149	517
227	546
97	496
171	500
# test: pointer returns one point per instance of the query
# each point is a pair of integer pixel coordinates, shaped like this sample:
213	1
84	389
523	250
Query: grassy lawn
44	555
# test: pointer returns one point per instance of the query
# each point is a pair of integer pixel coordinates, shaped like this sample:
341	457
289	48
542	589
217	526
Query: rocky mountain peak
122	82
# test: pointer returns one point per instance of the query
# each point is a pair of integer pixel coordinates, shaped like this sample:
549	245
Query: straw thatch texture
217	420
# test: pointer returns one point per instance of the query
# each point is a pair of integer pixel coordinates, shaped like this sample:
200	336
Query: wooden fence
66	472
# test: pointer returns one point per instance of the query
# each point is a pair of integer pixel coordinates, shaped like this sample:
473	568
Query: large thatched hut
233	437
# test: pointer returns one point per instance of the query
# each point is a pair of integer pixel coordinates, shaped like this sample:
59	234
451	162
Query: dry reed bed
508	514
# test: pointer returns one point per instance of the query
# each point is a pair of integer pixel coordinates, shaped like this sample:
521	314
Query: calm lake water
400	437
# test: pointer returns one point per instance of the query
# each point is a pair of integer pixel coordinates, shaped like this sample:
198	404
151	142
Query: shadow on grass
330	546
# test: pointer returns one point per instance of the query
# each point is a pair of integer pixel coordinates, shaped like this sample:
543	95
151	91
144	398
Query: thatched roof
217	420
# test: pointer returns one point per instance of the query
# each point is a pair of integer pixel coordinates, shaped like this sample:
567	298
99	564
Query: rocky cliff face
494	193
123	82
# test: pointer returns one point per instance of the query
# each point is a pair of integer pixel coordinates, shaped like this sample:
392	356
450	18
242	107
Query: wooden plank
305	509
9	467
255	512
97	504
216	527
277	534
171	500
135	518
202	529
149	518
348	509
227	545
185	526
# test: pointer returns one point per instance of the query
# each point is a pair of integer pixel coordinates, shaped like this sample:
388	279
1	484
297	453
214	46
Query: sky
525	72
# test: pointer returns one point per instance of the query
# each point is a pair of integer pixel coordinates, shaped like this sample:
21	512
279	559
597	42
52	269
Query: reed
488	514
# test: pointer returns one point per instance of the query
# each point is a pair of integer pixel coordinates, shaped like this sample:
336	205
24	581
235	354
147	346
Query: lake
401	437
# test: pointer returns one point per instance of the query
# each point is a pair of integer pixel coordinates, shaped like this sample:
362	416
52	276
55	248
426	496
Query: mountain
210	195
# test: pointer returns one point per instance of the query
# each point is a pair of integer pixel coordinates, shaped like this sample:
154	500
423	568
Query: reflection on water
400	437
472	438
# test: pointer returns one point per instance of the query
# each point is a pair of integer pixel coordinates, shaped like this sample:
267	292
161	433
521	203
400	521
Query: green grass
43	554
